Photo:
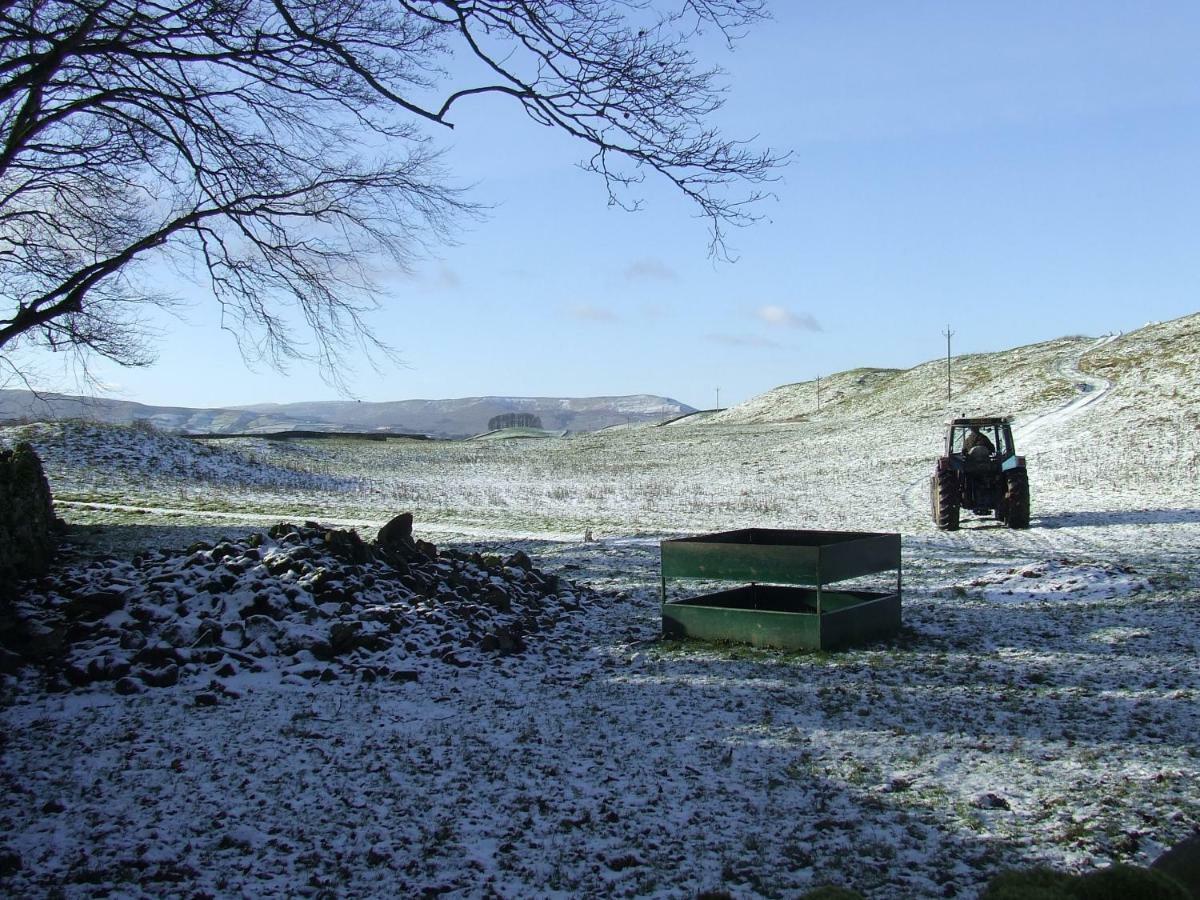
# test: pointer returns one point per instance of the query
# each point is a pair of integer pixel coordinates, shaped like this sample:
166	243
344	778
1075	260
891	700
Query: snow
1039	707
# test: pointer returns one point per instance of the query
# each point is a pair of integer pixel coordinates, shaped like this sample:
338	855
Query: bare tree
281	148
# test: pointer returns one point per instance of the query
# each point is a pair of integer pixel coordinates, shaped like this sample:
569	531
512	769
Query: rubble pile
305	600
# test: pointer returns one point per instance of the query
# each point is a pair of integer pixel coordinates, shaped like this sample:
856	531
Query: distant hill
439	418
470	415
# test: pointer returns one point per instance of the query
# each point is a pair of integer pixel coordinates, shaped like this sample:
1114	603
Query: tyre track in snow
1090	389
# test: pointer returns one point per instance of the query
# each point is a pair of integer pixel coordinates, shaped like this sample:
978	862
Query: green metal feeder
788	603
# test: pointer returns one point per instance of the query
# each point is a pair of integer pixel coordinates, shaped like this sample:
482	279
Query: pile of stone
306	601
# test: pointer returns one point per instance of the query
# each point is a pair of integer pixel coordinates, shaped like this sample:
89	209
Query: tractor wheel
943	491
1016	499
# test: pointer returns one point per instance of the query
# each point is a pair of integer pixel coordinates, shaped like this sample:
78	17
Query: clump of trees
514	420
277	149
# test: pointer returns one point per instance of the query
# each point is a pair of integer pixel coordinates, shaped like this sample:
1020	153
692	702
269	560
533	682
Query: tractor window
1000	443
993	434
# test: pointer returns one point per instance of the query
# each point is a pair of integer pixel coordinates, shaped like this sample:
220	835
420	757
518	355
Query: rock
270	606
223	690
28	533
111	667
10	861
233	636
1182	862
157	656
344	637
348	547
396	534
10	663
990	801
206	698
167	676
506	640
95	605
222	550
128	686
519	560
498	599
37	640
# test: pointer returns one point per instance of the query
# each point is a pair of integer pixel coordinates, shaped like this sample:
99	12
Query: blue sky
1019	171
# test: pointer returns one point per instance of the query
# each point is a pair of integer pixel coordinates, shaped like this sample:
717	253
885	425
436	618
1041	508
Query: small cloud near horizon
590	313
443	279
649	269
743	340
655	310
449	279
778	315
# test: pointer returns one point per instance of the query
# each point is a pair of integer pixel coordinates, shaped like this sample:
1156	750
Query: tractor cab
980	440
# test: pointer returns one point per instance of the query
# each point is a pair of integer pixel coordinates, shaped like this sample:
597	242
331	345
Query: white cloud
781	316
742	340
590	313
649	269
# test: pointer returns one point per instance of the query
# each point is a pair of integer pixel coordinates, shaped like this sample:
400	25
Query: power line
948	334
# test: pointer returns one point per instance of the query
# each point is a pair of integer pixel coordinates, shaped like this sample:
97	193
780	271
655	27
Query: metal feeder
773	610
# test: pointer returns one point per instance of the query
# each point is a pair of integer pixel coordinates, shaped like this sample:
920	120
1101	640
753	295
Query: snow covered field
1039	707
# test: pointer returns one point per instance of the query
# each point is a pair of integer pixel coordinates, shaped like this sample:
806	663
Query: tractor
980	471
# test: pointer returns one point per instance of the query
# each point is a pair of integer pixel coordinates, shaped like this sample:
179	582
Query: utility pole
718	399
818	393
948	334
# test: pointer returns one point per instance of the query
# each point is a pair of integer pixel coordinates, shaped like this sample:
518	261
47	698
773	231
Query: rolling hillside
470	415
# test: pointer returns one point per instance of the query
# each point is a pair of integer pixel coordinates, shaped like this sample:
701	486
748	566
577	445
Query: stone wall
27	524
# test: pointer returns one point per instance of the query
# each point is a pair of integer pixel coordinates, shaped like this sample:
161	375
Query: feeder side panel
763	563
862	556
